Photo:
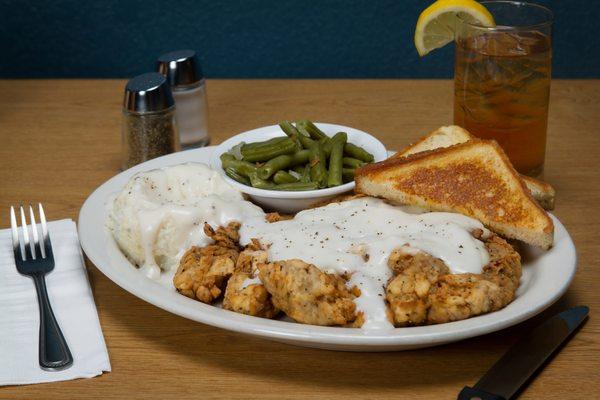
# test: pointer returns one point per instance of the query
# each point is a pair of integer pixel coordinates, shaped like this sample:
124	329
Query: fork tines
31	249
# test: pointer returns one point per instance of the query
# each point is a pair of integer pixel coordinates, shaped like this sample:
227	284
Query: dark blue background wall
252	38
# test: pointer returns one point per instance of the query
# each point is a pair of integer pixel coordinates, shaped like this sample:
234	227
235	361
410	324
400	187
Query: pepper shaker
148	129
182	71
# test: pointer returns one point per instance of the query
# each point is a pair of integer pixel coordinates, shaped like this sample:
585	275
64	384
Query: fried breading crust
227	236
276	217
408	293
252	299
204	271
306	294
249	259
425	292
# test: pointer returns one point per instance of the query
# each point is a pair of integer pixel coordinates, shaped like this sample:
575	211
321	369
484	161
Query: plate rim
421	336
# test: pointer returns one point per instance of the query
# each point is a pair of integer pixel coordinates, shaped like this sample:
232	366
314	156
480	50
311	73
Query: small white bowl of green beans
290	166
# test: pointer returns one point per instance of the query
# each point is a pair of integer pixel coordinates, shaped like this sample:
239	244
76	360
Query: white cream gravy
357	236
160	214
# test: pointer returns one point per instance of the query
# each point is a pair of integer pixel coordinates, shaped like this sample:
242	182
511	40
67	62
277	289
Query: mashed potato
160	214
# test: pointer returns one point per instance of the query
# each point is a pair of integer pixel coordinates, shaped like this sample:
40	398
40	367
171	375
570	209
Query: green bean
352	162
241	167
233	174
288	128
282	162
328	142
348	174
342	136
301	137
335	161
265	153
284	177
312	129
326	145
274	165
256	182
304	136
269	142
306	141
300	157
318	169
305	178
358	152
226	158
296	186
314	160
292	133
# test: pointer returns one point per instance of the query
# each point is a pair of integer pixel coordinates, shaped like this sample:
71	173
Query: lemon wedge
436	24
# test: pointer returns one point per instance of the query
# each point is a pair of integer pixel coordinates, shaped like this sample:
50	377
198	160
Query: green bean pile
305	159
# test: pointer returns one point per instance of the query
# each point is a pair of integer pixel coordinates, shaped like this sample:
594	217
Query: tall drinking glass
502	80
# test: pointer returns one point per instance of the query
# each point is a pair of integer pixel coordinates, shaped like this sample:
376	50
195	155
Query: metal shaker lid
147	93
181	68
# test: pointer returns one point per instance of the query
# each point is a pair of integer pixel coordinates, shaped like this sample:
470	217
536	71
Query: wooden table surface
59	139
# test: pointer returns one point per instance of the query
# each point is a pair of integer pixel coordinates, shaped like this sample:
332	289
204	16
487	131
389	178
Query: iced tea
502	85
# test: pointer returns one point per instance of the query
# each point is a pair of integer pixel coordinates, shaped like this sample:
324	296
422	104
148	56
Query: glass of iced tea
502	80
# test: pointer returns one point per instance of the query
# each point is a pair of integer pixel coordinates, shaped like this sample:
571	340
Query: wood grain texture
61	139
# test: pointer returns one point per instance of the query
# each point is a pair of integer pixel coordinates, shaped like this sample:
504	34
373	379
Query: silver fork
35	260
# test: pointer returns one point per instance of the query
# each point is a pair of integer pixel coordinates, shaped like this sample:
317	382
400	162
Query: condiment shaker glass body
182	71
149	129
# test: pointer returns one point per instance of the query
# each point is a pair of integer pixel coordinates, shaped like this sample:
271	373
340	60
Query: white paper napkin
73	304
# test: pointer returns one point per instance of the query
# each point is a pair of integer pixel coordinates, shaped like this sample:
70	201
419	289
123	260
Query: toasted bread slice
444	136
474	178
451	135
542	192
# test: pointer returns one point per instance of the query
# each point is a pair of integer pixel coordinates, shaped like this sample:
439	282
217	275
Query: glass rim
546	10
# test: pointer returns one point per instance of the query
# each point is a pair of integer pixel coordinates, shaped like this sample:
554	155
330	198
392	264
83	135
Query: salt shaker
182	70
149	129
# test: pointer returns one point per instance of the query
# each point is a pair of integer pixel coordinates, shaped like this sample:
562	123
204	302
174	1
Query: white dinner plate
546	276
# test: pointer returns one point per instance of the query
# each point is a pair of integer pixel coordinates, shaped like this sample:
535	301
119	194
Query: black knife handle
469	393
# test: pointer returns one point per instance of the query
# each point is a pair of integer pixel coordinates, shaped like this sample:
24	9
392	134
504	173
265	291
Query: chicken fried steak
423	291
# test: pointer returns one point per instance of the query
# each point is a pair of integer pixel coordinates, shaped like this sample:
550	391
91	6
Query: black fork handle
53	350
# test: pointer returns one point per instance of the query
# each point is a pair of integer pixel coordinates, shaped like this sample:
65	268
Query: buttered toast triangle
447	136
474	178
